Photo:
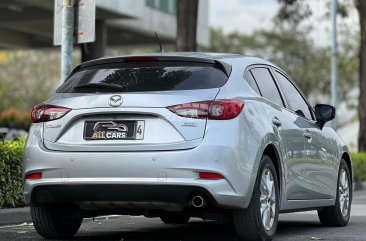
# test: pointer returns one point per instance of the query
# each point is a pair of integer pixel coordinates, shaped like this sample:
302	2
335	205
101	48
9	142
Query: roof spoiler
226	68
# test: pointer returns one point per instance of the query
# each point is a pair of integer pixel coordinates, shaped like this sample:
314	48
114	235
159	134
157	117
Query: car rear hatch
121	105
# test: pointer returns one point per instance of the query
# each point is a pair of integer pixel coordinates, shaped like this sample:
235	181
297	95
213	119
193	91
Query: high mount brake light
140	59
213	110
44	113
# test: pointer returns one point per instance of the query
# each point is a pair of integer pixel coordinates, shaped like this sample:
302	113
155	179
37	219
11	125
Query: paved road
299	226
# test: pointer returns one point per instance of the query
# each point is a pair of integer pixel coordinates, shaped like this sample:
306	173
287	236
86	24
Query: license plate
114	130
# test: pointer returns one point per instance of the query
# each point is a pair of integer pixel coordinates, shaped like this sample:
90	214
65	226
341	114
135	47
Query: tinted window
146	76
267	85
251	81
294	98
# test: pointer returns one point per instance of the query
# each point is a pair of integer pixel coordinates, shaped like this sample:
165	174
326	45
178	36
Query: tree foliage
353	58
293	11
27	77
295	52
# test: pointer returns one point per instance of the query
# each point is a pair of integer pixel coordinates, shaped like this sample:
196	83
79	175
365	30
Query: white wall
152	20
132	8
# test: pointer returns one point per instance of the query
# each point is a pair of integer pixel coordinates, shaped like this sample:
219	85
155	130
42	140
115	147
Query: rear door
123	106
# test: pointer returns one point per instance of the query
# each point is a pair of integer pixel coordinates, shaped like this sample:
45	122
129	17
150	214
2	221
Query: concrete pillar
96	49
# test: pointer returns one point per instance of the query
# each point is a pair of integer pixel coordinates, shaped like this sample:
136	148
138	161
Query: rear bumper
157	176
51	191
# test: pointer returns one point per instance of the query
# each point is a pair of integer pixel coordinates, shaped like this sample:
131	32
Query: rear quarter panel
255	131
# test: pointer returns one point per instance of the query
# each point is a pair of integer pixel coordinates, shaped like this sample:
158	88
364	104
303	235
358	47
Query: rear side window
294	98
145	76
251	81
267	85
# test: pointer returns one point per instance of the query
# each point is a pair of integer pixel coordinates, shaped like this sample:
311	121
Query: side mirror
323	114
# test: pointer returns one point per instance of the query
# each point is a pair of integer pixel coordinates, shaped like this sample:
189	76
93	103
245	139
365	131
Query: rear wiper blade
99	86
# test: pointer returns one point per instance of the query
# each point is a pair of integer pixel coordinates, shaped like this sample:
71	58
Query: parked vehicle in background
182	135
11	134
3	132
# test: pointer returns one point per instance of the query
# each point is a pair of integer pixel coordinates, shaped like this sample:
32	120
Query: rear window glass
147	76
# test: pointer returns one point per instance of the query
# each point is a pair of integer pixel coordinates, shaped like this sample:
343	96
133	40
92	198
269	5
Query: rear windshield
147	76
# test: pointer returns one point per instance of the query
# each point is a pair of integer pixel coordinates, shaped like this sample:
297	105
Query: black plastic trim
61	193
224	66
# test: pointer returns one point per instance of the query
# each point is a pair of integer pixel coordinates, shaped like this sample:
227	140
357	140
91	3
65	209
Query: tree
295	52
361	7
293	12
299	5
187	14
28	77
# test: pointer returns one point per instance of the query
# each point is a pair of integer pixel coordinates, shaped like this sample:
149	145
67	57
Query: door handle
276	121
307	135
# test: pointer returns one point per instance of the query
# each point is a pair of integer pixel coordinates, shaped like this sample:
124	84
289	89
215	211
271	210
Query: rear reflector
213	110
210	176
37	175
44	113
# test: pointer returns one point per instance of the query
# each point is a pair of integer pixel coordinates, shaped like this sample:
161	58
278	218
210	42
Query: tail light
44	113
214	110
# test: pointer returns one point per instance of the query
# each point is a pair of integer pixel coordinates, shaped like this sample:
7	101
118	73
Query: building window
150	3
167	6
173	6
164	5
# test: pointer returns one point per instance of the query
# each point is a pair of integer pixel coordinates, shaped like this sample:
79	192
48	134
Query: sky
249	15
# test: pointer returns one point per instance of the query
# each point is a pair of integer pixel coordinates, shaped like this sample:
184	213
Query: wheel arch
347	158
271	151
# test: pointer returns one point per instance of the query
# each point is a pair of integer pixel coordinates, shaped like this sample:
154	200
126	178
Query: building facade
29	23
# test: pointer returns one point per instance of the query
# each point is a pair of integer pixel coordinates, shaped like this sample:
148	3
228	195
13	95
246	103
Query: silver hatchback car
180	135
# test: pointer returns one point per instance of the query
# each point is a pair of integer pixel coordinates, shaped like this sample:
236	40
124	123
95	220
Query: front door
312	170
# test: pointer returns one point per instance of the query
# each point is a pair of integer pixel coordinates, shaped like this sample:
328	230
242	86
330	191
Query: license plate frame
104	130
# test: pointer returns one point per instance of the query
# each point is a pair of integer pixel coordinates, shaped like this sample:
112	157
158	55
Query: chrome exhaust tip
198	201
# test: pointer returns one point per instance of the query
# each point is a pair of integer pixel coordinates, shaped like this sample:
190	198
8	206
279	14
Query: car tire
51	222
174	218
339	214
249	222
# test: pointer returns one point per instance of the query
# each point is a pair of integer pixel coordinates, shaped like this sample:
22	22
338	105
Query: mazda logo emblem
115	100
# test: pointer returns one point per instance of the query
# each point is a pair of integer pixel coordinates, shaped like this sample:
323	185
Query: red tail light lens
36	175
44	113
214	110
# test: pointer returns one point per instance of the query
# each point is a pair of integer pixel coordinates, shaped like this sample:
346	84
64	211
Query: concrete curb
14	216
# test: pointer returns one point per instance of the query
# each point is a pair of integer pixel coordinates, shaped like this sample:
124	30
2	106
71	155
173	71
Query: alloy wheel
267	199
343	192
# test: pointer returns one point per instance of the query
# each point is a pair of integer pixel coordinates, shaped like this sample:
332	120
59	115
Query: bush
359	166
11	189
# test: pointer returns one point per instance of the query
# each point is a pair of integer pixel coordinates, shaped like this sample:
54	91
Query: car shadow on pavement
194	231
293	227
